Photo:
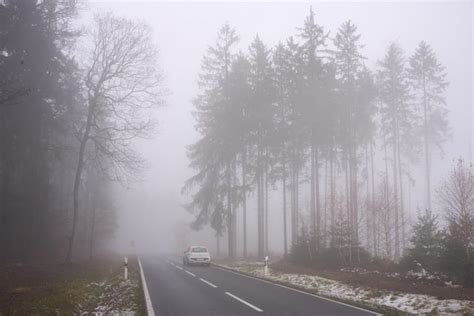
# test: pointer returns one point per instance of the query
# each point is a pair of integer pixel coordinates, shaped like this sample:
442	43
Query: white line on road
178	267
299	291
190	273
148	304
208	283
245	302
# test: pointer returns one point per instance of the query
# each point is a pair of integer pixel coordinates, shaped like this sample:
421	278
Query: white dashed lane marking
208	283
244	302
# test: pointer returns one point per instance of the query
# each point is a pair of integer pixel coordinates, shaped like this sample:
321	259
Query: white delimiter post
125	268
266	266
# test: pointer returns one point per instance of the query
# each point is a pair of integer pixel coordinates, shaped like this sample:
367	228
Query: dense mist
159	197
307	94
236	157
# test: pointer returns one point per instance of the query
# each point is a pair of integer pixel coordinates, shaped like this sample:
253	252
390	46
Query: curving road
177	290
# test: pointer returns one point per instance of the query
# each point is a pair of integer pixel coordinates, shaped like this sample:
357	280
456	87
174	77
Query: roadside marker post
266	266
125	268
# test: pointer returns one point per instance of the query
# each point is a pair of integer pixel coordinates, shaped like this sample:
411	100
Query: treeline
310	117
67	119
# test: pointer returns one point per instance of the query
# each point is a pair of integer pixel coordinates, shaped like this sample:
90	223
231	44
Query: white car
197	255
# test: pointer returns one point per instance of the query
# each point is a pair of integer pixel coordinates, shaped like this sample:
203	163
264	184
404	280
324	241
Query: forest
309	116
67	125
275	157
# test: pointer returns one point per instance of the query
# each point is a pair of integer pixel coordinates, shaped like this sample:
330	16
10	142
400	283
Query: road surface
178	290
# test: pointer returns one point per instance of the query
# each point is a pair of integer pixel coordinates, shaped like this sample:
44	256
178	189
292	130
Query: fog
151	211
274	157
321	122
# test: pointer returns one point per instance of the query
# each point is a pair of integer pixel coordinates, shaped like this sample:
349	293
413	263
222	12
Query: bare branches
456	196
123	82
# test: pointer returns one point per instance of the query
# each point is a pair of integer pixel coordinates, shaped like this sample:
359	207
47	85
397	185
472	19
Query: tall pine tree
428	81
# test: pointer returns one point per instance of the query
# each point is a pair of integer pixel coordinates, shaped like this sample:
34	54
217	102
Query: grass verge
76	289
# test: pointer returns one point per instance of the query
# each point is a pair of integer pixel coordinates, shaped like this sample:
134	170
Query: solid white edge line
190	273
296	290
148	304
208	283
244	302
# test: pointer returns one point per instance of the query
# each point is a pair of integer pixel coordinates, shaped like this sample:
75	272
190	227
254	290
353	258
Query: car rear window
199	249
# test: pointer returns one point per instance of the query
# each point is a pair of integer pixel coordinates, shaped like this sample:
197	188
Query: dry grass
57	289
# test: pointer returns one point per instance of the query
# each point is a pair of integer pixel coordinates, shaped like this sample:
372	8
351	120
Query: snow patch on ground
116	298
404	302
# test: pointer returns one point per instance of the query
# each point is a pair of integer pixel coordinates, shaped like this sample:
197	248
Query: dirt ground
392	282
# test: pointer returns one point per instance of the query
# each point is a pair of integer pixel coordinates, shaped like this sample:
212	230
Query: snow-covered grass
420	274
380	299
118	297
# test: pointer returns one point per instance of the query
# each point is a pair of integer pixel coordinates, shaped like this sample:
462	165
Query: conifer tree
214	154
426	242
261	114
397	121
428	81
313	102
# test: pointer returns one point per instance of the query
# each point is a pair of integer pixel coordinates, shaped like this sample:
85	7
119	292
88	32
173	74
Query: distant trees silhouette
308	117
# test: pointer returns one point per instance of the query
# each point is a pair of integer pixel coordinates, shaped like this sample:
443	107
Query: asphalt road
177	290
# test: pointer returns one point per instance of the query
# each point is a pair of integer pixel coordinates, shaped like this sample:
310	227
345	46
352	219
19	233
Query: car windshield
198	249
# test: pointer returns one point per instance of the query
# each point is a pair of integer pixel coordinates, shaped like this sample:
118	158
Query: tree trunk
260	206
395	191
244	203
266	211
230	233
92	232
285	240
367	207
427	149
318	202
388	233
297	194
355	202
374	226
400	180
325	213
332	203
348	204
293	207
312	194
234	209
78	180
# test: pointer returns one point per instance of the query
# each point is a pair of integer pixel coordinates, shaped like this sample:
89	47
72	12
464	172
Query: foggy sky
151	212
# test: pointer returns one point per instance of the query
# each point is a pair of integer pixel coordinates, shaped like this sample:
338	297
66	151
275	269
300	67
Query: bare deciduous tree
456	195
122	81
